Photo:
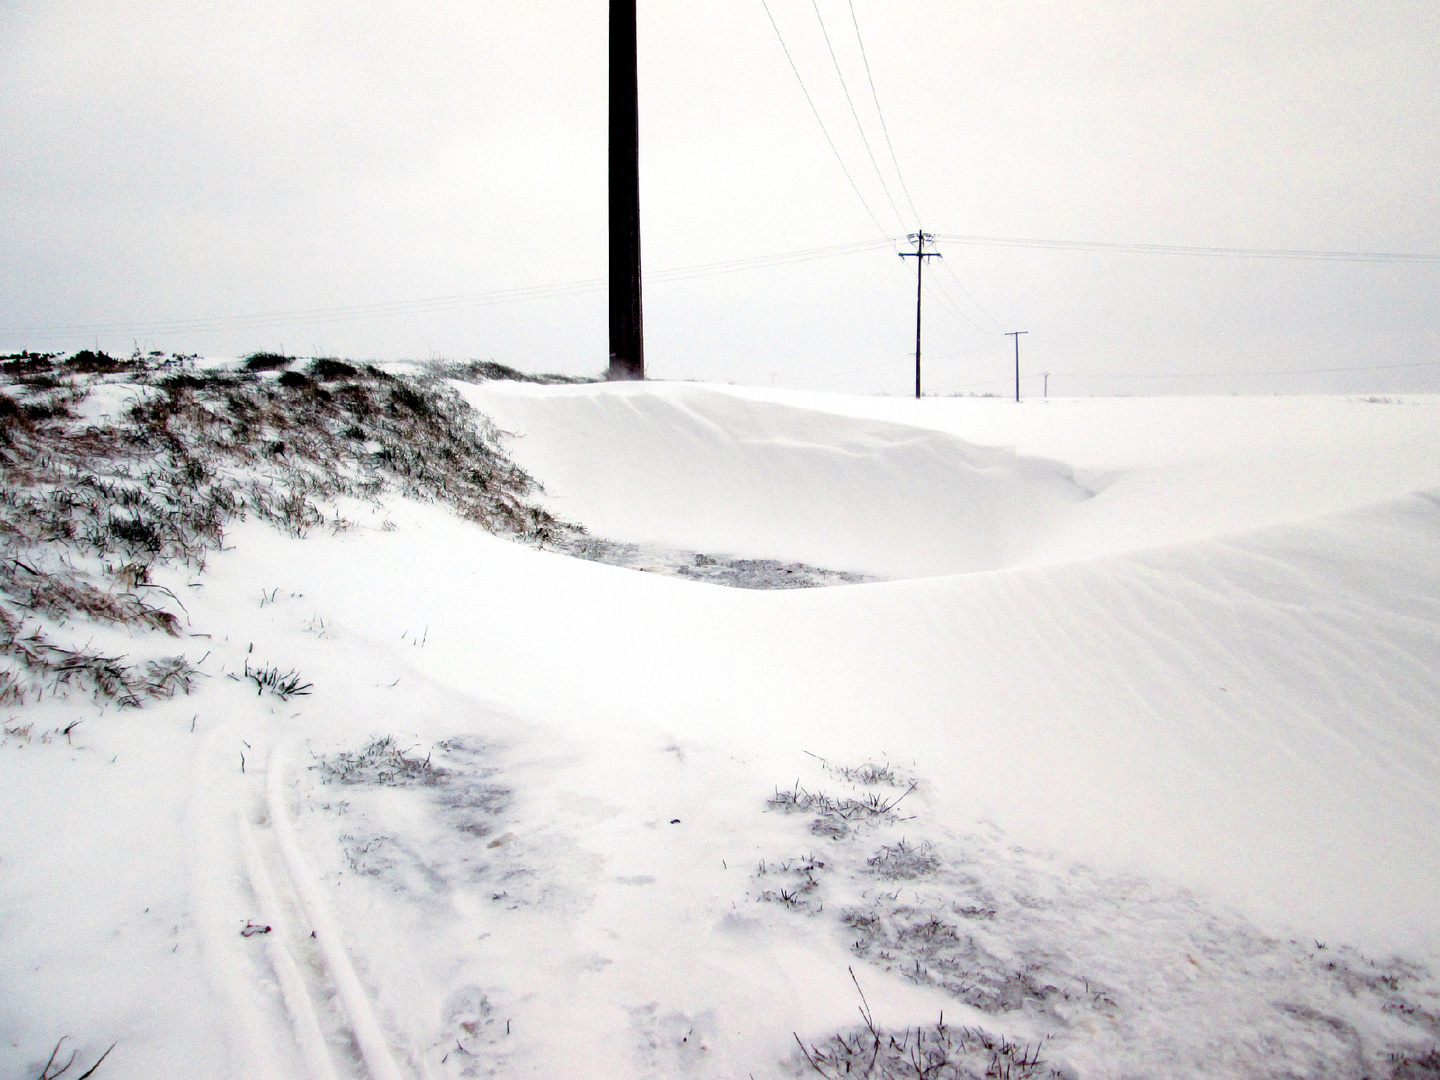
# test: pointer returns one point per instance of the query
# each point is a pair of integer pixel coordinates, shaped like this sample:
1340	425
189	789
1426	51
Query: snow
670	464
1162	672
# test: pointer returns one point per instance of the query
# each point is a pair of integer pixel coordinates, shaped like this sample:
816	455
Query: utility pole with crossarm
920	239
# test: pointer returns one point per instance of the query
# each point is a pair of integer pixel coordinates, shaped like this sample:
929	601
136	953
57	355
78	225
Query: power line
1238	374
881	114
430	305
961	286
959	312
938	288
837	374
946	301
1183	249
997	381
324	315
571	288
762	261
855	114
841	161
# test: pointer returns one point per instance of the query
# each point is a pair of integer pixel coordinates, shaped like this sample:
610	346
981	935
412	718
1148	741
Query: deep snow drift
1131	765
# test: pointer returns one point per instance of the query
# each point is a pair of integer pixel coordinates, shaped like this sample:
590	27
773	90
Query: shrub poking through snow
89	507
327	369
266	361
485	370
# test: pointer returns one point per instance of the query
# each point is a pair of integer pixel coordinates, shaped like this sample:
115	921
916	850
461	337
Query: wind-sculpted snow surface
1167	811
689	467
1100	974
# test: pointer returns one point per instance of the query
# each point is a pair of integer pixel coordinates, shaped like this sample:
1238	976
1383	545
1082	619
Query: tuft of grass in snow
904	860
869	773
327	369
53	1070
727	570
795	881
382	762
283	685
939	1052
836	816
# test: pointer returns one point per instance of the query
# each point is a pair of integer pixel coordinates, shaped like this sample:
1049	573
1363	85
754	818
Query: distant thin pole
919	255
1016	335
627	333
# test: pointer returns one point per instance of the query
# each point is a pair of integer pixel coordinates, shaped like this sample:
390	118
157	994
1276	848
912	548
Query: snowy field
1115	752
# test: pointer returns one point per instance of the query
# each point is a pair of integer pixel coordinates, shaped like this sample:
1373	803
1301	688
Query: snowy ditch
444	805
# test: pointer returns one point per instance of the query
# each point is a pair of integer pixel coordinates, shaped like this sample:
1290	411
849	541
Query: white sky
168	161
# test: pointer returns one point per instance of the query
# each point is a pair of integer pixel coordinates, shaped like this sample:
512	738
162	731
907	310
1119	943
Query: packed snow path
1175	802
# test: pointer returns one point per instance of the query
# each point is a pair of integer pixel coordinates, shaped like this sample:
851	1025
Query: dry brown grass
88	509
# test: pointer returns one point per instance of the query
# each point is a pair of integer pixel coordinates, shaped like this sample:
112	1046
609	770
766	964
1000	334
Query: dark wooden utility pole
1016	335
627	324
919	255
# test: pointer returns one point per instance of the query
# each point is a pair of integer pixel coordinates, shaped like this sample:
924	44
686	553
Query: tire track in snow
308	1033
214	858
367	1031
232	883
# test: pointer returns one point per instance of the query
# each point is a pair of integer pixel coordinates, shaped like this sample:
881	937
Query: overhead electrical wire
444	303
1004	380
939	288
838	374
816	112
1185	249
936	292
874	96
759	262
590	285
996	323
1238	374
945	265
854	113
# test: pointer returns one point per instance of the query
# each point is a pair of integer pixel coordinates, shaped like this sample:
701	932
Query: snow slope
1171	768
680	465
1186	468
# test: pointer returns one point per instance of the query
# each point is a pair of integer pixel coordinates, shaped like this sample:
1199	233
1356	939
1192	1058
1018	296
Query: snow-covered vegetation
343	736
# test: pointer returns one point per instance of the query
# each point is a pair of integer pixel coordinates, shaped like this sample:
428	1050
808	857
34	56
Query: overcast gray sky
177	173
